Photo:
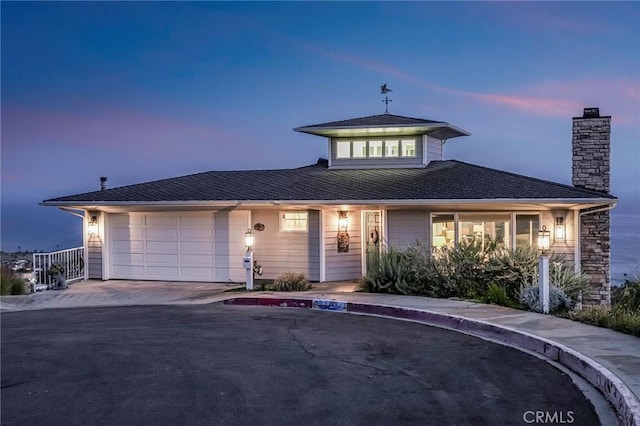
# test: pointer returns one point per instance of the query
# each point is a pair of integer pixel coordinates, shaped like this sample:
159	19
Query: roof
440	180
384	124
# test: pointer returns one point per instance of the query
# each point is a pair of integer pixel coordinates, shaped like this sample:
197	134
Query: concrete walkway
608	359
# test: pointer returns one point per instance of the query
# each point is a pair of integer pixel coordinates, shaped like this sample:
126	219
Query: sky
144	91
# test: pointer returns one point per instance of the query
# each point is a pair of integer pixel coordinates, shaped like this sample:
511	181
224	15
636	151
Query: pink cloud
546	99
99	127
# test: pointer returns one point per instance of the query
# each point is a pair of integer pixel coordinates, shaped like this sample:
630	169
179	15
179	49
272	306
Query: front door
372	236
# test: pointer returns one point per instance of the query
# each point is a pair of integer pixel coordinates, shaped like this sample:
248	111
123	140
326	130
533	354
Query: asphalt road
217	364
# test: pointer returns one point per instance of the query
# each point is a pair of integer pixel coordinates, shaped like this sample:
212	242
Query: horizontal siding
279	252
342	266
434	149
405	227
566	247
94	258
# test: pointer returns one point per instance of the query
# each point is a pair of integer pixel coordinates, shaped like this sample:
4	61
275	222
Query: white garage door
178	246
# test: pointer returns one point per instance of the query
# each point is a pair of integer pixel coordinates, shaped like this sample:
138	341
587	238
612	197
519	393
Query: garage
199	246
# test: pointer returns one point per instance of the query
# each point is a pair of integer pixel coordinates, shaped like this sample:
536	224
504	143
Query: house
385	179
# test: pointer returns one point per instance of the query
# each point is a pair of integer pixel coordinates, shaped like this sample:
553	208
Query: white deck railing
46	265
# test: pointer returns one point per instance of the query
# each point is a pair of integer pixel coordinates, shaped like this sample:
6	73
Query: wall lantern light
559	228
343	235
543	239
343	221
248	239
92	226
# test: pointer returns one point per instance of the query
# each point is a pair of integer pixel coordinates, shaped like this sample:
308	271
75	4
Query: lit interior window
343	149
392	148
408	148
359	149
375	148
294	222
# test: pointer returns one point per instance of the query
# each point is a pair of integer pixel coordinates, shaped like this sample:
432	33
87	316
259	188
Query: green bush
291	281
513	269
565	277
390	272
618	319
627	297
10	283
497	295
466	271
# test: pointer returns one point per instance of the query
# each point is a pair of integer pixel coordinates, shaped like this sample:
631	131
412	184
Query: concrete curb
613	388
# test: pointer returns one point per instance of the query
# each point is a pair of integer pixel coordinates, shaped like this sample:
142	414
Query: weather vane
383	91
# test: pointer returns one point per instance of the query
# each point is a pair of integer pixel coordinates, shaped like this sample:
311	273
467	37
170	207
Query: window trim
416	140
456	221
282	221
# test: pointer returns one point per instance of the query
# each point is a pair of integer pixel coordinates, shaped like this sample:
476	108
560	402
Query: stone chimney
103	183
591	170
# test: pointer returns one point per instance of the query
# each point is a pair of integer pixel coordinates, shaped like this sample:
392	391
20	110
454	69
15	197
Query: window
360	148
442	230
408	147
485	229
391	148
343	149
527	226
375	149
294	222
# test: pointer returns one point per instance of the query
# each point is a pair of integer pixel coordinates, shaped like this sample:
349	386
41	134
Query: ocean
625	247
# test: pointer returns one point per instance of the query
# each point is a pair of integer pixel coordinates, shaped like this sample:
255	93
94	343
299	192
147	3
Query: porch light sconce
343	235
559	228
248	239
544	238
343	221
92	226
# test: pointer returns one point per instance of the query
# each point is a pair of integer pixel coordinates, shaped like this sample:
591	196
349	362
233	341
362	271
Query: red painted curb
256	301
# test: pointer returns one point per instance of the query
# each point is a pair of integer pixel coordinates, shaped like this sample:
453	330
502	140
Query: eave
434	205
437	130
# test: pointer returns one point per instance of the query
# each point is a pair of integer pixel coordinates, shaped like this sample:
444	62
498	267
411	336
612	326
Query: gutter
71	211
390	202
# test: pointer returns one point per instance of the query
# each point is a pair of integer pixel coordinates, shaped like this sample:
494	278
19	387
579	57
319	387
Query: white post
543	282
247	261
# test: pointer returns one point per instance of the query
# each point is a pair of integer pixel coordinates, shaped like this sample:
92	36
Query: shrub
291	281
10	283
558	300
451	271
497	295
390	272
565	277
617	319
627	298
514	269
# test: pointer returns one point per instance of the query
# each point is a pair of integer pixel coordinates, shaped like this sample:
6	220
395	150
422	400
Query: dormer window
375	148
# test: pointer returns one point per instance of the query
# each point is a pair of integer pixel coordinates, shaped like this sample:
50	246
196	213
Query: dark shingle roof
376	125
440	180
377	120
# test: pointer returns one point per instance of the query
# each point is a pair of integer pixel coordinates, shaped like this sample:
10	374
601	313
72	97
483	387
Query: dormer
385	140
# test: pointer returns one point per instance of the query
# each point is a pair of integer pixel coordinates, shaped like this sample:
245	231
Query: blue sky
143	91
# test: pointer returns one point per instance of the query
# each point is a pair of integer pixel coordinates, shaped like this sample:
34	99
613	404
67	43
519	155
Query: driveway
93	293
219	364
